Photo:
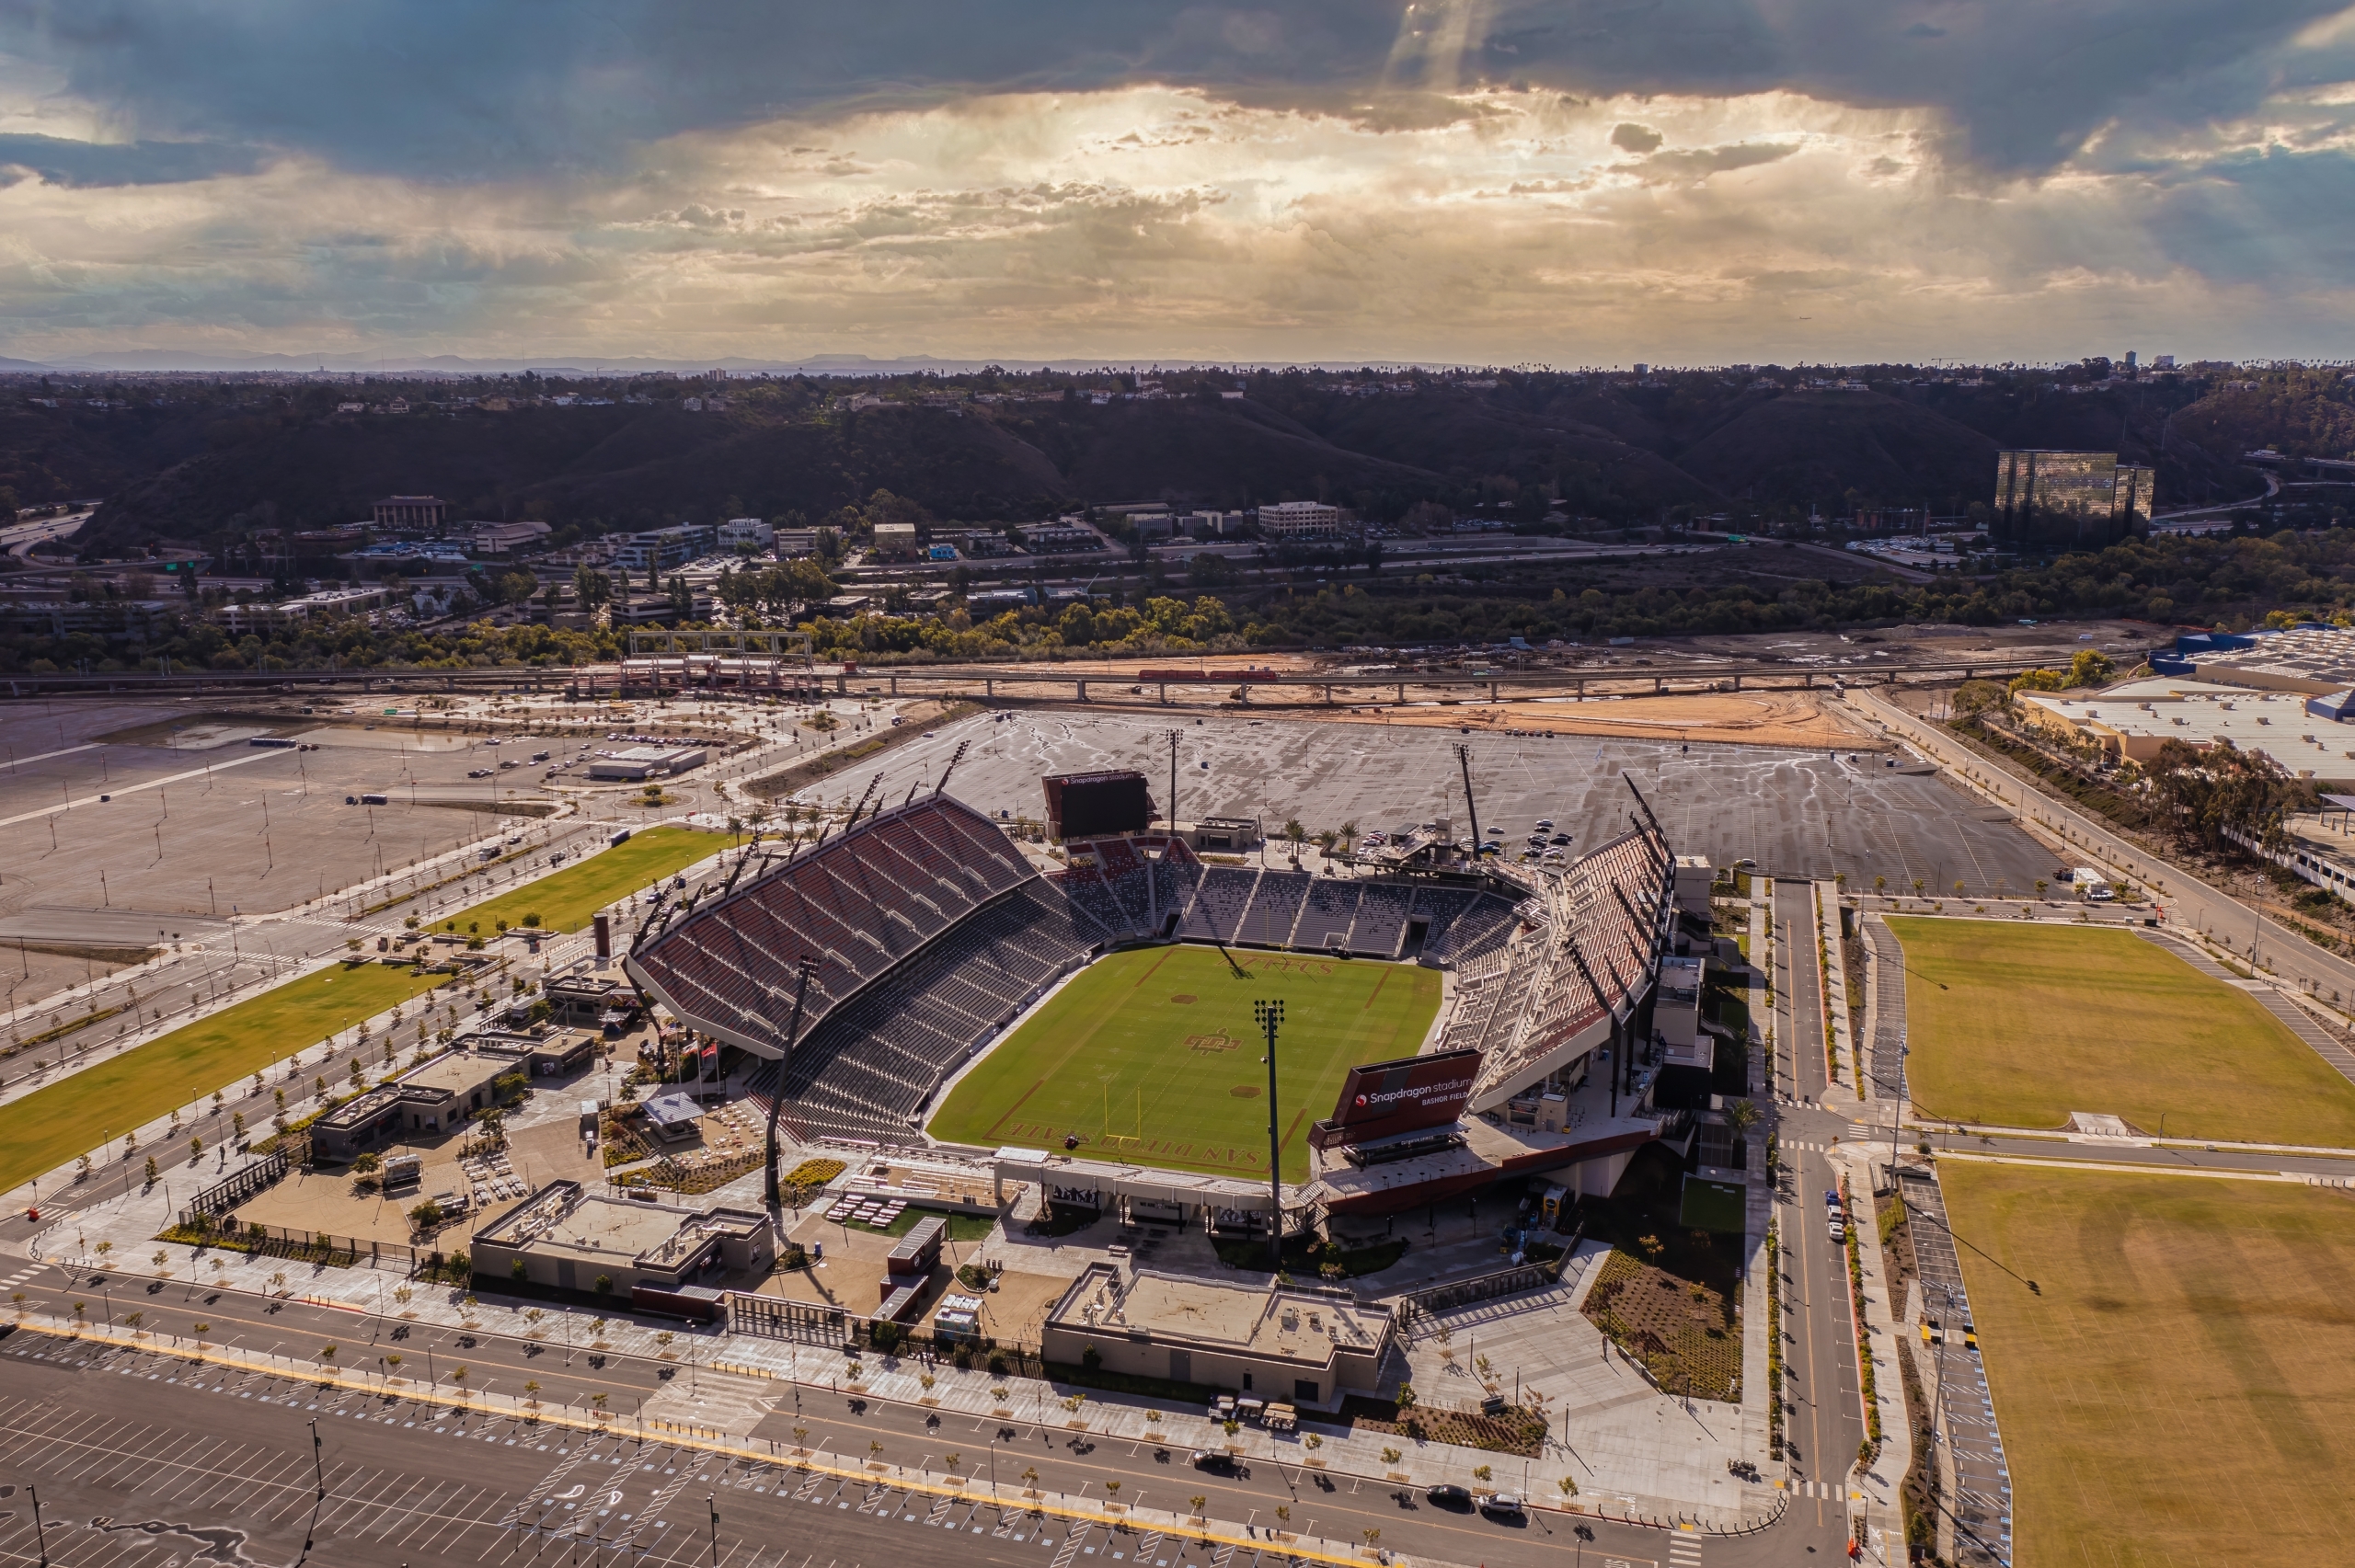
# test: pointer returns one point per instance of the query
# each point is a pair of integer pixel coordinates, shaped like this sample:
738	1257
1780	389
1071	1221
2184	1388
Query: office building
2068	499
662	548
1300	520
428	514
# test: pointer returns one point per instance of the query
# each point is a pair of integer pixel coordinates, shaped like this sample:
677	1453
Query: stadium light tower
777	1100
1269	1014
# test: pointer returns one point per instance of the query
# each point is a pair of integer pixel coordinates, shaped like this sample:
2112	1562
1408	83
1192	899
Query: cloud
1449	178
440	90
61	161
1150	222
1702	162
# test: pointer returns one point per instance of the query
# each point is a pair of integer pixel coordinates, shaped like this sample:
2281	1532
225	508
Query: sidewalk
1082	1511
1625	1437
1873	1499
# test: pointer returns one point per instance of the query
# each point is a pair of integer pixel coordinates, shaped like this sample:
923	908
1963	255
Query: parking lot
1810	814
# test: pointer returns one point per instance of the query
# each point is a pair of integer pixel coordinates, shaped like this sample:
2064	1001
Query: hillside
1806	445
210	461
2297	412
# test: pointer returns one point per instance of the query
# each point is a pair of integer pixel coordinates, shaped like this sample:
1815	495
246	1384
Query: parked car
1502	1506
1212	1460
1448	1496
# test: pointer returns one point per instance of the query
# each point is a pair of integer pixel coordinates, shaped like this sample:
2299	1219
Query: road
131	1448
1823	1424
2189	901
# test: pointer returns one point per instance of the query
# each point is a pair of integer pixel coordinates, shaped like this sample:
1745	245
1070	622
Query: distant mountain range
167	362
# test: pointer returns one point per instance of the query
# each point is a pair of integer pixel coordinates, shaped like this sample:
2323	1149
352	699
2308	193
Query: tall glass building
2068	499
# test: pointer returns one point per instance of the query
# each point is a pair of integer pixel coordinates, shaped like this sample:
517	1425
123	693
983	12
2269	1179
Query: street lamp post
1269	1017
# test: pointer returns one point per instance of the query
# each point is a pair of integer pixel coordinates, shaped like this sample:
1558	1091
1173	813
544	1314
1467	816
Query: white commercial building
2130	722
1300	520
646	763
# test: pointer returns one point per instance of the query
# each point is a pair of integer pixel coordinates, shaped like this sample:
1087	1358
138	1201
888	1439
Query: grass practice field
51	1125
2180	1386
69	1118
565	902
1152	1056
2017	1025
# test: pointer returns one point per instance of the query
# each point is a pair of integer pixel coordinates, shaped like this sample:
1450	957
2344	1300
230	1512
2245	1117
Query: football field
1152	1056
2171	1361
2018	1024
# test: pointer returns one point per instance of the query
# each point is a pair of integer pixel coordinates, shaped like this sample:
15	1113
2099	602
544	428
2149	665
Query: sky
1566	182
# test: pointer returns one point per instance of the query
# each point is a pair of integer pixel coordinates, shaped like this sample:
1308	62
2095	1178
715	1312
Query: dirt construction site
1802	719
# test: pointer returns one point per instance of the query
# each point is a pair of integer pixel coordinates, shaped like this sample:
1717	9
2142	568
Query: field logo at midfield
1274	964
1210	1044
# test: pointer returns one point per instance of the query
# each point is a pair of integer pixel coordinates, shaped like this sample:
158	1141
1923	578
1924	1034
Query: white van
2089	881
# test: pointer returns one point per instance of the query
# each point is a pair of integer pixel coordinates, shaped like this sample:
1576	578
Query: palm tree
1197	1502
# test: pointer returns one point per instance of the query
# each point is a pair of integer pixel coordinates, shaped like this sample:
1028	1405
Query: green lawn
1151	1056
565	901
2018	1025
1721	1207
2178	1386
51	1125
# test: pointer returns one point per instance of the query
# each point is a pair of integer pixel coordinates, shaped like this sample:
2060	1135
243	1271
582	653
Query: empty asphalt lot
1805	813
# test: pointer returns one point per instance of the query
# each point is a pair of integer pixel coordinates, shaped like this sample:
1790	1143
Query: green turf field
2018	1025
2179	1386
1721	1207
52	1125
1151	1056
565	901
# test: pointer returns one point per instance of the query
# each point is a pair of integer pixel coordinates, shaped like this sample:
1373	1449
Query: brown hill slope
1805	446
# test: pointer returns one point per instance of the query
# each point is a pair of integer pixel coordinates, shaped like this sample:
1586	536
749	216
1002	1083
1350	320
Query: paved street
139	1456
1824	1424
2188	901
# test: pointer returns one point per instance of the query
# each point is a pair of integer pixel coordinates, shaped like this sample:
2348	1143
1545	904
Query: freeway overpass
1048	682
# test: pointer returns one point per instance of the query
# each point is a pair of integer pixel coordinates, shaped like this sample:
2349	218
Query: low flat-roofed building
895	540
2130	722
637	762
434	1098
1294	1344
568	1238
1217	833
2315	659
549	1053
590	1000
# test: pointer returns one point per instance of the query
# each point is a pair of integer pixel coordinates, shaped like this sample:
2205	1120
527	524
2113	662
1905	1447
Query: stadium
1084	1021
